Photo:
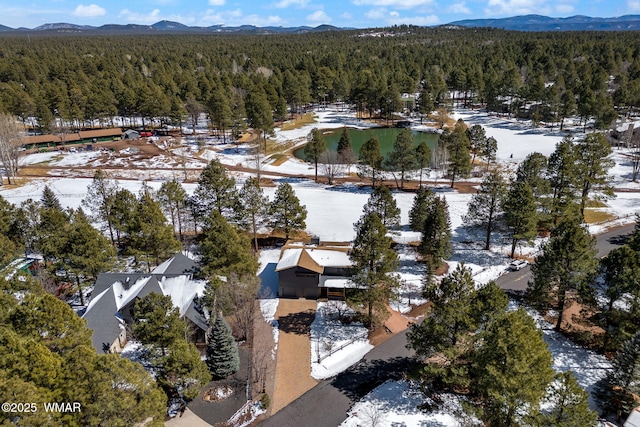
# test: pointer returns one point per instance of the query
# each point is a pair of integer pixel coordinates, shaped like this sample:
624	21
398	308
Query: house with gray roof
111	308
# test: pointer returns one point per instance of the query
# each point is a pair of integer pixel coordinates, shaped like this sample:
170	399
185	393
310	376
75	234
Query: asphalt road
518	280
326	404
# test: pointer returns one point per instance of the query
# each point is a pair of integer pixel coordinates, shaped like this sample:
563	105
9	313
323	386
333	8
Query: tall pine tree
253	208
569	404
370	159
420	208
435	244
620	277
286	212
423	158
382	202
216	190
563	180
486	205
345	150
99	200
224	250
316	145
592	166
520	214
403	157
458	145
617	390
373	259
511	368
568	263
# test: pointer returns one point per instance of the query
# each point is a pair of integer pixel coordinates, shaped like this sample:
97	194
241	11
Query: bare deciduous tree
331	165
10	143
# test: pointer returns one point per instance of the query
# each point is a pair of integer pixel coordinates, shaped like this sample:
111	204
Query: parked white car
518	264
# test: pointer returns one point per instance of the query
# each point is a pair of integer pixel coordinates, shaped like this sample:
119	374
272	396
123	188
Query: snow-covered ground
334	345
395	403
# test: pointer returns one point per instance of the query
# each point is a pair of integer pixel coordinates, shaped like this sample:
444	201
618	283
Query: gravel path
293	364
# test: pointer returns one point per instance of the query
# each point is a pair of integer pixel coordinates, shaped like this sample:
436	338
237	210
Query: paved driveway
293	362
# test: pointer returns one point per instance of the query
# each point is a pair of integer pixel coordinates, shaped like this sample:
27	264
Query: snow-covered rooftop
313	259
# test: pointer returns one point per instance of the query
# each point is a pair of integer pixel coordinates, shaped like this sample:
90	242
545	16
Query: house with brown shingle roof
314	271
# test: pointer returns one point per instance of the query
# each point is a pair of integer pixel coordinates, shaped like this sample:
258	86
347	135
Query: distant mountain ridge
545	23
169	26
520	23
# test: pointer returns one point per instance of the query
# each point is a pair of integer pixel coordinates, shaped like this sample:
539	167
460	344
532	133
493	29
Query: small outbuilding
131	134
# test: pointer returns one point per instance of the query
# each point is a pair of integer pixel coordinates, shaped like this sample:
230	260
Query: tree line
168	78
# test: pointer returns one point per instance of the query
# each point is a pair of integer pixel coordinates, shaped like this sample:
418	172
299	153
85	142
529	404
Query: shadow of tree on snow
297	323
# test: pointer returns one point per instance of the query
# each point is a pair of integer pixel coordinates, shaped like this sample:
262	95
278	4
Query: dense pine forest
89	79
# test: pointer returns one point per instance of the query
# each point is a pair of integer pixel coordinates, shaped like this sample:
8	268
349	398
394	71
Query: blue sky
289	13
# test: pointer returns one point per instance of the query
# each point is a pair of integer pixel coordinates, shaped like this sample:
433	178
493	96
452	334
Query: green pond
386	136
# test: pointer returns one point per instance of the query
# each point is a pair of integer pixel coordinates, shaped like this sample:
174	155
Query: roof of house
100	133
177	264
70	137
105	280
313	258
113	292
338	282
102	317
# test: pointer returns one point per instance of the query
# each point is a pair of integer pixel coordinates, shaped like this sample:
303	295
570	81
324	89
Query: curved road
516	281
327	404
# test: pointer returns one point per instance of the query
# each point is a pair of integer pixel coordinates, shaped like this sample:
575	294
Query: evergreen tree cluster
71	247
430	216
545	191
470	344
170	78
46	356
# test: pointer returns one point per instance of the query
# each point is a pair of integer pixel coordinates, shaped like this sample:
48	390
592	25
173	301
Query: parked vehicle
518	264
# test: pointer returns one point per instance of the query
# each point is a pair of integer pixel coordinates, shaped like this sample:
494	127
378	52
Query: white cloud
319	16
91	11
564	8
633	5
346	15
283	4
216	2
380	13
400	4
395	18
140	18
262	21
517	7
232	18
459	8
